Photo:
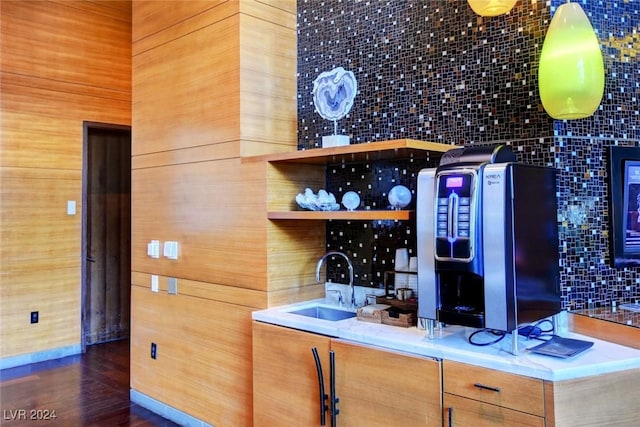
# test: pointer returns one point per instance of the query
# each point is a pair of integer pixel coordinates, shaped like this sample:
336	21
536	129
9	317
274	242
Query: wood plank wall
62	62
213	81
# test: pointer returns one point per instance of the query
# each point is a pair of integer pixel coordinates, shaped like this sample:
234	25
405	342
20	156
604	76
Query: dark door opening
106	233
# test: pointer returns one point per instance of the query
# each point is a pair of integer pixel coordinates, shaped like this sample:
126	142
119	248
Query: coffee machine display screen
459	183
454	182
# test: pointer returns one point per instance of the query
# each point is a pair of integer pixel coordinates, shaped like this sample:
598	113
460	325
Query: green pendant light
571	70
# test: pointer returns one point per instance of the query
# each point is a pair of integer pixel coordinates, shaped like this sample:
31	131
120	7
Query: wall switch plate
171	250
71	207
172	286
35	317
154	283
154	350
153	249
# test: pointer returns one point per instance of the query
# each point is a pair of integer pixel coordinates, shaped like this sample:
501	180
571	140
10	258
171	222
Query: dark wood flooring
91	389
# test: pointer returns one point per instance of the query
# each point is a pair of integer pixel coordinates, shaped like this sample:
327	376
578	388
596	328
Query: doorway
106	233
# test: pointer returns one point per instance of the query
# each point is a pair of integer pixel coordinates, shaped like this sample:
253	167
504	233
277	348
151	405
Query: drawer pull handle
486	387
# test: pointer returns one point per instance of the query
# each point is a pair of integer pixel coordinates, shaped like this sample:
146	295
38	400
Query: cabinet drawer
495	387
459	411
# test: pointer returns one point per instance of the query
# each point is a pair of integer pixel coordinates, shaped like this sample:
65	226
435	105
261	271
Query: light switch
171	250
71	207
153	249
154	283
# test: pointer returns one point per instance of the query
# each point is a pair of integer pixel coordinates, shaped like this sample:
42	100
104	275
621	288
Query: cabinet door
460	411
385	388
285	380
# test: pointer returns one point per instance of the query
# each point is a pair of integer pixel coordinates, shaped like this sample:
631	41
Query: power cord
499	334
541	330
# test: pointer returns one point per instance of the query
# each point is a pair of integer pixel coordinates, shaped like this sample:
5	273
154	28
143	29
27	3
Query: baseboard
41	356
165	410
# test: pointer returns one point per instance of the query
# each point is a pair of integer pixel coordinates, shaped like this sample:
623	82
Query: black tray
562	347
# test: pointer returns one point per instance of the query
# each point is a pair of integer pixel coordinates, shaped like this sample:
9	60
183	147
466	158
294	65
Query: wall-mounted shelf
355	153
290	173
344	215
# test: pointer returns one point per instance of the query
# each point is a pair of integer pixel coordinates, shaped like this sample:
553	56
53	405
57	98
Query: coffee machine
487	240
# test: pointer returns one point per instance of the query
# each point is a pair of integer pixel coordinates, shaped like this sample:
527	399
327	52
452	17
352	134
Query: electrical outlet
154	350
172	285
35	317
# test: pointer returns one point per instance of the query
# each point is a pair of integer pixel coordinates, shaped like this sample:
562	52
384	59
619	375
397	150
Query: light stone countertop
451	343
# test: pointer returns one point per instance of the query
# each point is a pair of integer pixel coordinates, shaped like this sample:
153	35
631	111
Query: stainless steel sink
324	313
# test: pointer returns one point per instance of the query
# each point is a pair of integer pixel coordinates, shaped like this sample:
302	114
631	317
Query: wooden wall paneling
286	181
55	296
293	295
225	150
190	185
213	291
292	259
42	128
281	12
117	9
39	255
90	49
35	224
268	82
62	62
200	107
203	364
162	20
215	210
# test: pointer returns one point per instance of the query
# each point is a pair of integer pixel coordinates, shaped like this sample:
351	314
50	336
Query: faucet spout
349	267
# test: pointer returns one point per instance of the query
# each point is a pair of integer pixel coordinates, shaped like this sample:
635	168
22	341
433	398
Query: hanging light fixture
491	7
571	70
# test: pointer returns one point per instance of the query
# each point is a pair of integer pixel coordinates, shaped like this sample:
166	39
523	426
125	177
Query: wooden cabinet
484	397
374	387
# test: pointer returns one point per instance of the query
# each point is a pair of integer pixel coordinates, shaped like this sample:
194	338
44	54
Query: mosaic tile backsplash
435	71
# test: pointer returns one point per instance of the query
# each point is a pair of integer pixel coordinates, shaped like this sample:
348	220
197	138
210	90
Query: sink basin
324	313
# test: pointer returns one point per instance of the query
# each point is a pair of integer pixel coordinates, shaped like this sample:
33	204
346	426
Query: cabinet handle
334	399
486	387
323	396
450	411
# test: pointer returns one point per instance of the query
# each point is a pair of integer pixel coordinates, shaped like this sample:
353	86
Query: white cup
413	263
402	259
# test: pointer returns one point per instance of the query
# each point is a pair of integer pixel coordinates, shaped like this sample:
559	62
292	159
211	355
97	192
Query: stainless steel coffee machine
487	240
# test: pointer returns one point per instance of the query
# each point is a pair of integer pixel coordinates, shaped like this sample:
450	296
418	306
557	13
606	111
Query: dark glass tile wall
435	71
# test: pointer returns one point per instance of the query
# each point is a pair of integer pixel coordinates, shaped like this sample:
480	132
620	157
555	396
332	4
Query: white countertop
451	343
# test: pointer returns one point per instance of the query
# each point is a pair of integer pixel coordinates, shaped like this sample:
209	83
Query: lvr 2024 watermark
29	414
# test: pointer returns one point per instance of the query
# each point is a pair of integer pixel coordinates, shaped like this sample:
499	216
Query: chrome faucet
349	266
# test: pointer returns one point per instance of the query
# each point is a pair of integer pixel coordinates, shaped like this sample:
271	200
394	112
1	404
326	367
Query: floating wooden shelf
289	173
357	153
370	215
